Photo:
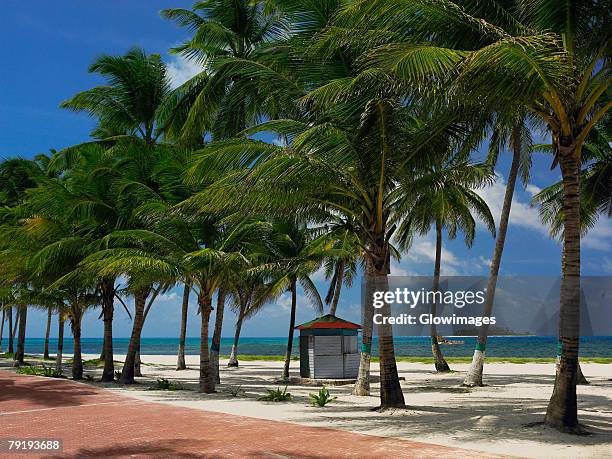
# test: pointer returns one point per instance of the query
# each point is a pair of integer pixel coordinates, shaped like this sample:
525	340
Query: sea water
417	346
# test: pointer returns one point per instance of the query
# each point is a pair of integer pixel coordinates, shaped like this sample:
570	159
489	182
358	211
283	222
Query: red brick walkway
93	422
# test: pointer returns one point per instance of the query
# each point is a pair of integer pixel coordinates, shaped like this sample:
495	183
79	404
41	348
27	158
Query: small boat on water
442	340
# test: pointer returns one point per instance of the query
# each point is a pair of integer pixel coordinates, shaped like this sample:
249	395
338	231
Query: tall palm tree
129	104
551	57
128	109
444	197
248	294
346	167
341	268
229	35
295	256
518	138
180	364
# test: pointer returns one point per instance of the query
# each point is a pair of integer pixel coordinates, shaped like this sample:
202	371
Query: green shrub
117	375
322	398
164	384
45	371
276	395
236	391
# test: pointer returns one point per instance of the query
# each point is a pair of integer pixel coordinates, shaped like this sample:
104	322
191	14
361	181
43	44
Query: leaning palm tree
295	256
341	268
444	197
347	166
248	294
180	364
516	135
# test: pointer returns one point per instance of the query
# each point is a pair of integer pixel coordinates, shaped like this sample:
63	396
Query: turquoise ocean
418	346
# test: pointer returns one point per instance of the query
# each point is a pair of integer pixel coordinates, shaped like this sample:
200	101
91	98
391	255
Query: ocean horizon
411	346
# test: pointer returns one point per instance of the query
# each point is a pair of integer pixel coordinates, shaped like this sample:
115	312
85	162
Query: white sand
490	419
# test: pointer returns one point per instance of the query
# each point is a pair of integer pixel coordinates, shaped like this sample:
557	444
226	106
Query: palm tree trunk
60	344
207	382
439	361
180	364
77	359
562	411
108	306
216	341
362	385
140	301
474	374
293	289
102	358
391	395
19	355
138	362
11	345
47	333
2	328
339	281
233	360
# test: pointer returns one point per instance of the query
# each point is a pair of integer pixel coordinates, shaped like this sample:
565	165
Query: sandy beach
497	418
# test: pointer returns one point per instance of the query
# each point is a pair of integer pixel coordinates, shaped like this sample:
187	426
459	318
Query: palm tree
341	268
444	197
596	197
229	36
348	167
180	364
47	333
295	256
552	59
248	294
127	110
129	104
519	139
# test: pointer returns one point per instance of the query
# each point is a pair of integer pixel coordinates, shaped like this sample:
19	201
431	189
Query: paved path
93	422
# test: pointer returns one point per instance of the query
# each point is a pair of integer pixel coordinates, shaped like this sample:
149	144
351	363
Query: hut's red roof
328	321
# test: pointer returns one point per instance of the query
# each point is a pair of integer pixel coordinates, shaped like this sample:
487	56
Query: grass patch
322	398
93	362
45	371
165	384
236	391
276	358
273	358
276	395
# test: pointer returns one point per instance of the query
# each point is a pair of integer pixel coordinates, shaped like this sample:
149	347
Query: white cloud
524	215
180	70
532	189
521	212
600	236
168	298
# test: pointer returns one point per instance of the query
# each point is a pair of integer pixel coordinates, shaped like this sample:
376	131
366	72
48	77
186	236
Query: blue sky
46	49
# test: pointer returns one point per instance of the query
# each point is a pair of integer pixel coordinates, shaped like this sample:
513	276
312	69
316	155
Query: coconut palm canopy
379	111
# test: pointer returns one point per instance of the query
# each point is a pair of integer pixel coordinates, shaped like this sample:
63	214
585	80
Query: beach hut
328	348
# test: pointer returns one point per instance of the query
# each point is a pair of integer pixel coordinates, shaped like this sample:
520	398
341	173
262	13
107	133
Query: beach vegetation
236	391
276	395
43	370
321	398
166	384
